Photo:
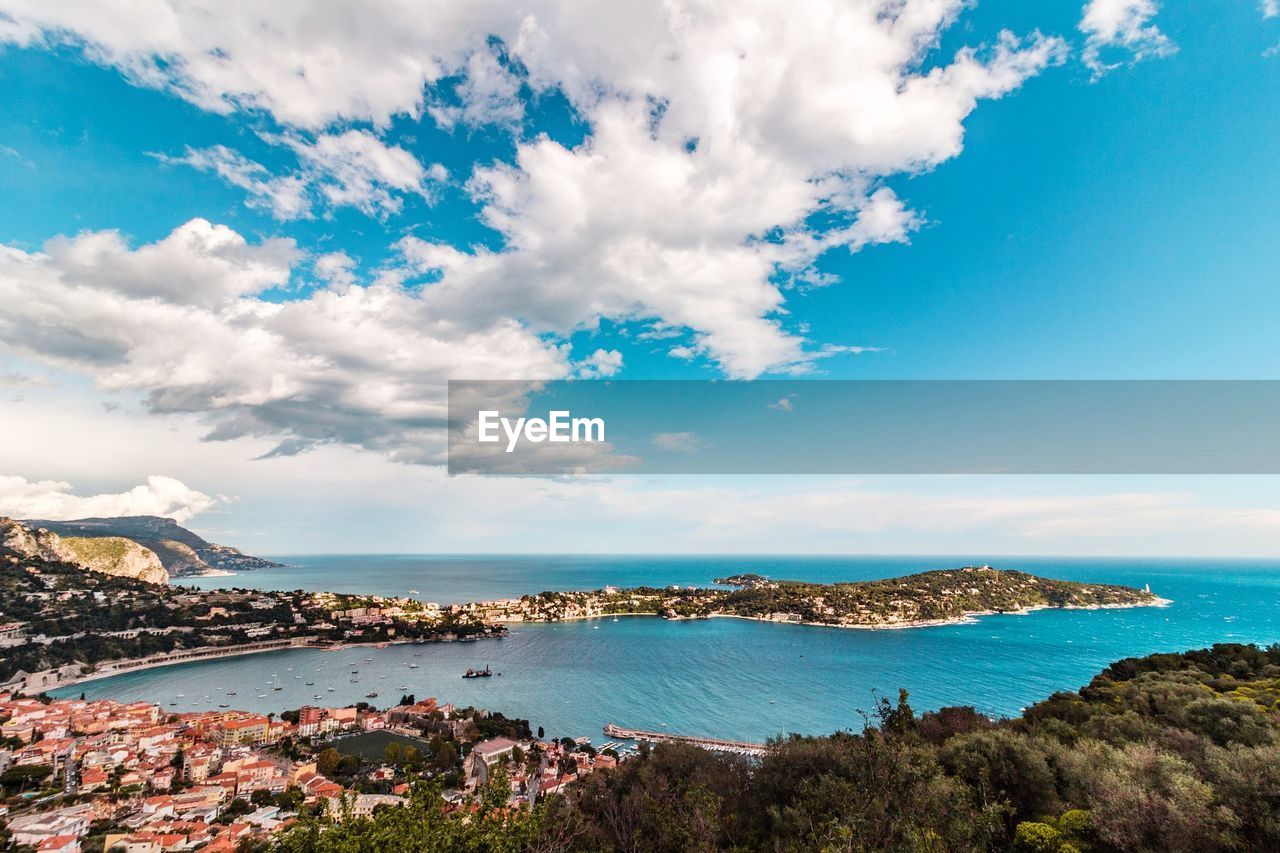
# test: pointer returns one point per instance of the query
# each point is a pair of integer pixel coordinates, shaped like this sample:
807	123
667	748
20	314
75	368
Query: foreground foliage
1172	752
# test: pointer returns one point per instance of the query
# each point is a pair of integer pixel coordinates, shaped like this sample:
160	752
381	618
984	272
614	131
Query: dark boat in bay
478	673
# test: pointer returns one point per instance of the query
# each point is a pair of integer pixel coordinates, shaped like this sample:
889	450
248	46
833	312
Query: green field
372	746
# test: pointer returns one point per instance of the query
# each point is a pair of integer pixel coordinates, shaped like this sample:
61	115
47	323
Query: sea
727	678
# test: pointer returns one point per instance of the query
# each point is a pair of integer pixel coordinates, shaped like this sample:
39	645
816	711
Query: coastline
128	665
109	669
963	619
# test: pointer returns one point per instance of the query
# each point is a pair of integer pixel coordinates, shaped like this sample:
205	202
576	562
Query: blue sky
902	195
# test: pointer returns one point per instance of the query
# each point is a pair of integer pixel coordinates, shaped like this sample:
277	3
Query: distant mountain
110	555
180	551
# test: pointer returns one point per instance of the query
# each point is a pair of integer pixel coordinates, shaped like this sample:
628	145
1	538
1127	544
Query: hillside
180	551
111	555
926	598
1174	752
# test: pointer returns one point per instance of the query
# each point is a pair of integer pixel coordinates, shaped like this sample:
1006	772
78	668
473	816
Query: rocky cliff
110	555
181	551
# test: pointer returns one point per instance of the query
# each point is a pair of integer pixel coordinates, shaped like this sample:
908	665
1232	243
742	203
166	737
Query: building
250	730
34	830
362	805
483	757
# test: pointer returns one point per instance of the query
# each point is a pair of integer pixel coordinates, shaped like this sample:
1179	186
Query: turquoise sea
719	677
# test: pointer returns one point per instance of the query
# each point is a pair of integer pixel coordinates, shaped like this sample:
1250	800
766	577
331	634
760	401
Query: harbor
714	744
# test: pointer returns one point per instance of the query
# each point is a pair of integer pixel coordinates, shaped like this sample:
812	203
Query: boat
231	693
413	666
309	683
478	673
330	689
262	696
317	696
413	592
276	684
224	704
371	695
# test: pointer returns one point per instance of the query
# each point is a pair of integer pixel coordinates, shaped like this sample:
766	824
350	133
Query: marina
713	744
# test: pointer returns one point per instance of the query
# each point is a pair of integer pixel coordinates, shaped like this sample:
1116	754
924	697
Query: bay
718	677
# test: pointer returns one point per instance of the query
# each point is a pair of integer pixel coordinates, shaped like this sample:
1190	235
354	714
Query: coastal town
142	776
104	775
62	624
926	598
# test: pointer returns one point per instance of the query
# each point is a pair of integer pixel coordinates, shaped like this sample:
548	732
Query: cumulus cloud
1270	8
360	364
54	500
1123	24
601	364
717	133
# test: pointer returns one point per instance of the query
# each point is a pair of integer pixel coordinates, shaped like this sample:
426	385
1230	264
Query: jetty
715	744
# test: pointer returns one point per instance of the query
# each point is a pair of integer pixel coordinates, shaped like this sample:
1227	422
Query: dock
715	744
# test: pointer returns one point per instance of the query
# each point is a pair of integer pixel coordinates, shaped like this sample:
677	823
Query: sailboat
276	684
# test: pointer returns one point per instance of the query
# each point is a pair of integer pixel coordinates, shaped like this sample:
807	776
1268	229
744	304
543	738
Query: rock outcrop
181	551
115	555
109	555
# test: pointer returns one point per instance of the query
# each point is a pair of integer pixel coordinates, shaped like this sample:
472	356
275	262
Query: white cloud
354	169
489	94
177	321
679	442
1124	24
716	133
358	169
783	404
600	364
1270	8
198	264
52	500
285	197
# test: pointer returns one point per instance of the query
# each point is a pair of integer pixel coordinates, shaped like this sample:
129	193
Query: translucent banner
518	428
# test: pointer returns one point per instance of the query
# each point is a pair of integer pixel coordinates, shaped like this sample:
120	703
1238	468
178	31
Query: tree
24	776
488	826
327	762
541	733
391	755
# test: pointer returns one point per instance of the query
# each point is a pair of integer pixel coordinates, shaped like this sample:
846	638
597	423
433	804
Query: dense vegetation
1176	752
922	597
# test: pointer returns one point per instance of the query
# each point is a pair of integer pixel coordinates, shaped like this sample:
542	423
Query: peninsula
918	600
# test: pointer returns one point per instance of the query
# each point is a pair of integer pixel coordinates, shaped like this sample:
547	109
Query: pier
715	744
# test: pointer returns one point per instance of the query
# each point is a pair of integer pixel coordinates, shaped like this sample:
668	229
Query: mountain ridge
180	551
